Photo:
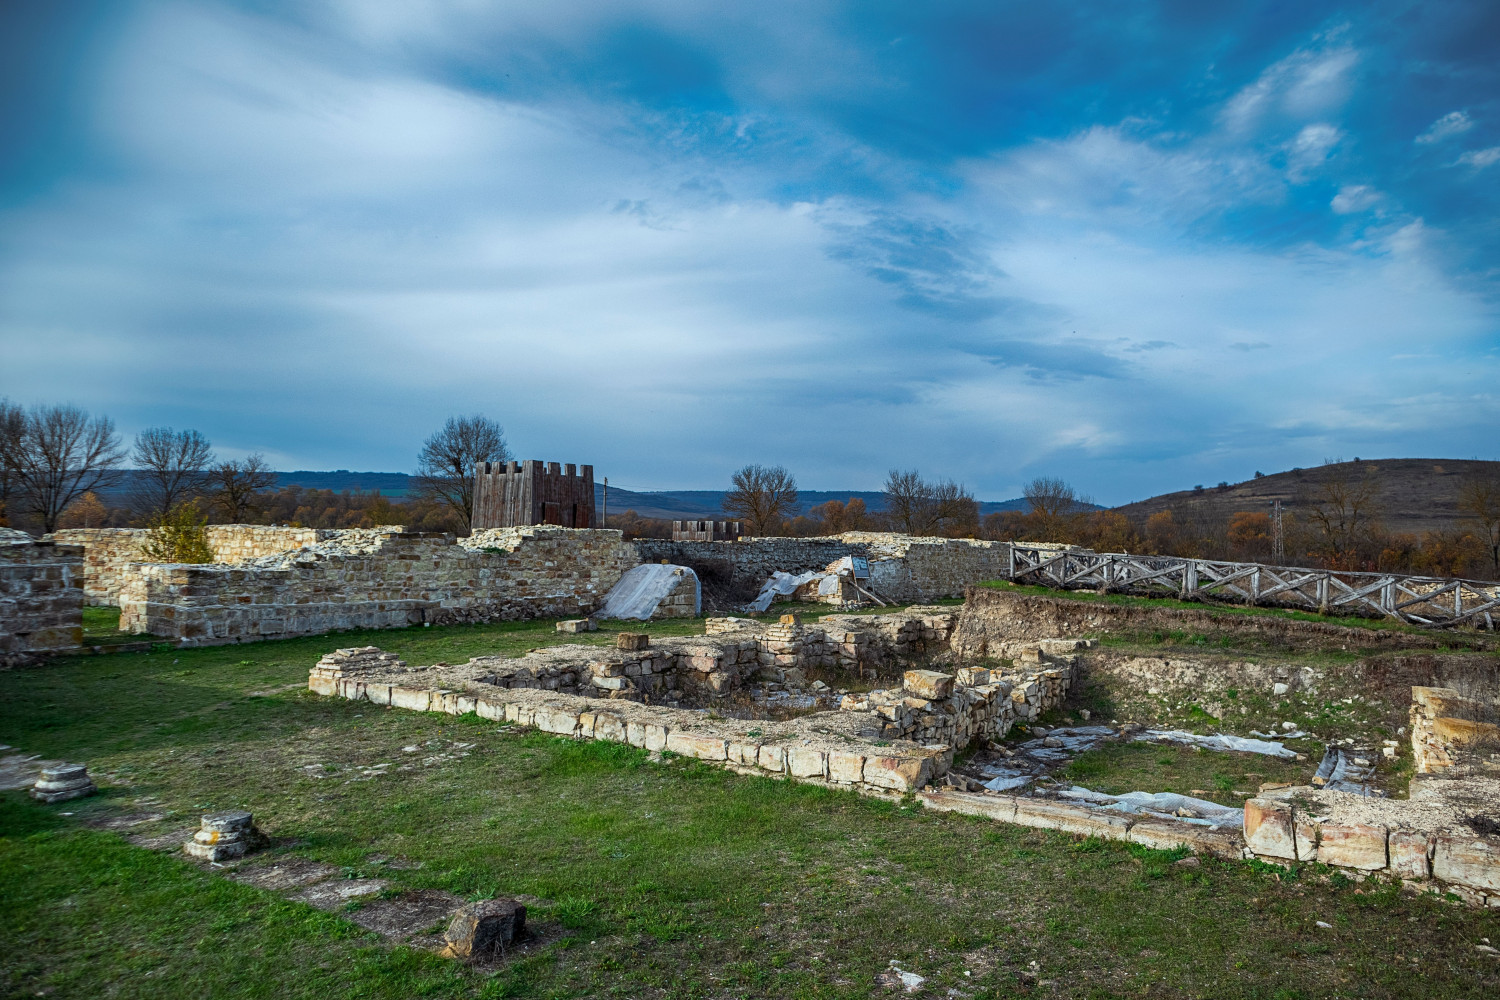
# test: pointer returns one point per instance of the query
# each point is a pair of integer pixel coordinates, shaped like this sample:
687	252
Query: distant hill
680	505
1414	494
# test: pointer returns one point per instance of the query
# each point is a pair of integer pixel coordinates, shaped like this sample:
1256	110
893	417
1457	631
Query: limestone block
574	625
807	762
632	640
379	694
556	719
224	836
928	684
901	774
846	767
608	727
520	714
1308	833
416	699
1410	854
464	704
1269	830
999	807
612	683
772	758
647	735
698	745
1353	845
1165	834
1069	818
1469	861
63	783
972	677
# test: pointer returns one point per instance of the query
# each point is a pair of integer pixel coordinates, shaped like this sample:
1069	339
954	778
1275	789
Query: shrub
178	536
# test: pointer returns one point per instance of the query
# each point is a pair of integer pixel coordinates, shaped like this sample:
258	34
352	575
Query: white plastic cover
780	585
1219	741
643	588
1165	804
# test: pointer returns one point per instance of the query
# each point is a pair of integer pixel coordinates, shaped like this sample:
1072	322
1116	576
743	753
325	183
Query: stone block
772	758
647	735
1410	854
898	774
747	754
698	745
416	699
575	625
997	807
1269	830
484	929
491	710
224	836
928	684
1069	818
520	714
1166	834
1469	861
846	767
632	640
1353	845
609	727
63	783
807	762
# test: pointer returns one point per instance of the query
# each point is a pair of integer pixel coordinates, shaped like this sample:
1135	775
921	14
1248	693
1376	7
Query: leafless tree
918	507
1344	512
169	468
1479	498
445	465
234	487
1054	506
54	455
12	430
763	497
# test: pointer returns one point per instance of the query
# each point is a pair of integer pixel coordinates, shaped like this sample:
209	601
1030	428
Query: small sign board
861	567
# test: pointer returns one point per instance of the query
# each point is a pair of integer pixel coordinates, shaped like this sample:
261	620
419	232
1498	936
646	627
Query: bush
178	536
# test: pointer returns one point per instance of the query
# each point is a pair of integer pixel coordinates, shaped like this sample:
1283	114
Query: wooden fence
1418	600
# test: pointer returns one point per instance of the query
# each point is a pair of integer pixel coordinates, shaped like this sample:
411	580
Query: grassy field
654	878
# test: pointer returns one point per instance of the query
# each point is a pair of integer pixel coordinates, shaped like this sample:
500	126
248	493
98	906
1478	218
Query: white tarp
781	585
1166	804
644	587
1219	741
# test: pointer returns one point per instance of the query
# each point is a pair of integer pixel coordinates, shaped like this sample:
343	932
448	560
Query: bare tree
1479	498
12	431
1054	505
445	465
918	507
54	456
1344	512
234	487
169	467
763	497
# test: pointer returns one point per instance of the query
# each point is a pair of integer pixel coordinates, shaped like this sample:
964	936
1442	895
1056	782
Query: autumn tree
1110	531
836	517
762	497
169	469
1479	499
446	463
1250	533
235	487
1162	533
53	455
1054	507
85	512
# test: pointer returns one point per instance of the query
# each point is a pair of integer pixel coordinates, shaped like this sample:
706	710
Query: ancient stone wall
107	552
903	568
41	599
379	579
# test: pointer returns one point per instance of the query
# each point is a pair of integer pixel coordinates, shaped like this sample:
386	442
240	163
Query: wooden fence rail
1433	602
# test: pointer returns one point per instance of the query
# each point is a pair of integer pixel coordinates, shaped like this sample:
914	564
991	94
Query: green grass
665	878
101	627
1117	768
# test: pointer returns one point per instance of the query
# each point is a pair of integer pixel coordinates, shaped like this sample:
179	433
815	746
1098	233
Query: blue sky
1140	246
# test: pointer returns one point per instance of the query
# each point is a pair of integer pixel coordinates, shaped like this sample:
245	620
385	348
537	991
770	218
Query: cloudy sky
1139	250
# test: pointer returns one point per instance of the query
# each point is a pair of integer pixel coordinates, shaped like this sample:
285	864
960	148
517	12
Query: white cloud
1311	81
1451	124
1481	158
1355	198
1309	150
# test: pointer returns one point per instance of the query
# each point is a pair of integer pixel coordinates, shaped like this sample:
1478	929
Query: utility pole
604	521
1278	538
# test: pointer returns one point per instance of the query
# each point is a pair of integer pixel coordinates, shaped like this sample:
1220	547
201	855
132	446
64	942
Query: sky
1138	246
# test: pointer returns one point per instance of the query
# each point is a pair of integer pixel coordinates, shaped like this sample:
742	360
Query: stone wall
903	568
108	552
379	579
41	599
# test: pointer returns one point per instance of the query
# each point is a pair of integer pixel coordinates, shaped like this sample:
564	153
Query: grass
101	627
669	878
1117	768
1127	600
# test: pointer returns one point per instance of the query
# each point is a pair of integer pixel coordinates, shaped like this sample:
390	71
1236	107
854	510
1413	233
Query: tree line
57	460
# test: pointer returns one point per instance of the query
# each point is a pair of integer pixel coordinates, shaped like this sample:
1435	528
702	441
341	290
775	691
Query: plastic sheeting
1164	804
1219	741
644	587
781	585
1339	773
